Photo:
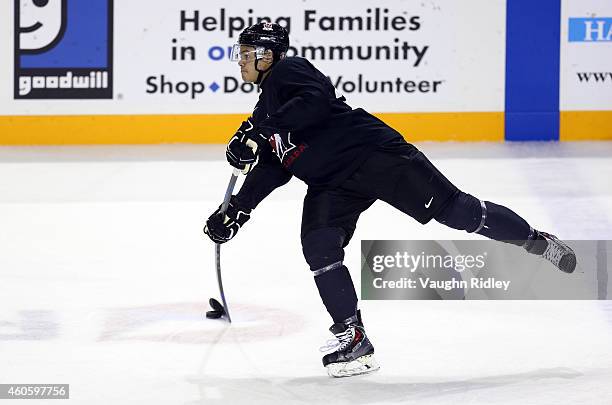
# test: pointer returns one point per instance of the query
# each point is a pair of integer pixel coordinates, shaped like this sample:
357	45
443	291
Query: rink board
478	70
146	129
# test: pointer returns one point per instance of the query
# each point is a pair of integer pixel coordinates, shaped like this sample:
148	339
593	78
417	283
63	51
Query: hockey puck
217	309
214	314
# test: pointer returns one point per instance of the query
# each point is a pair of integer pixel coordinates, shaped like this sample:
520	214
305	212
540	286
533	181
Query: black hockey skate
555	251
355	353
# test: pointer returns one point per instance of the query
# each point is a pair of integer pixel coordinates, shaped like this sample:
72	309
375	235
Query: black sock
338	293
505	225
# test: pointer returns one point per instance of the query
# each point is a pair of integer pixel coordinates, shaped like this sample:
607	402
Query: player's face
247	63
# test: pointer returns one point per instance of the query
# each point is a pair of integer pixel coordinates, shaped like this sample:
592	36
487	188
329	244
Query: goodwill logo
63	49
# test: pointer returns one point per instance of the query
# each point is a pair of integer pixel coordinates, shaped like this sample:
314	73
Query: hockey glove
243	149
220	228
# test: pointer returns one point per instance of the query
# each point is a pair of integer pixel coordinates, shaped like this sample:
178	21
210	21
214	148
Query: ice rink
105	277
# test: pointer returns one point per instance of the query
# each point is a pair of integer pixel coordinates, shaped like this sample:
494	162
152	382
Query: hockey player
349	159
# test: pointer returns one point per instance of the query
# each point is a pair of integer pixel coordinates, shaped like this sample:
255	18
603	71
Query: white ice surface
105	277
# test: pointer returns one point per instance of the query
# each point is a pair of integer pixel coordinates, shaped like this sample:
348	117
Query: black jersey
321	140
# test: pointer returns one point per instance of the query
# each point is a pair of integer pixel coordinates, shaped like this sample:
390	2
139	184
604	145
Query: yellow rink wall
217	128
585	126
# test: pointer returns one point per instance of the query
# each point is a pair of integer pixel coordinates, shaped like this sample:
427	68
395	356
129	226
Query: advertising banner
143	57
586	55
109	71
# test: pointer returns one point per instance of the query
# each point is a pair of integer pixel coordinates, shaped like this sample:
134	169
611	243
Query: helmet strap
260	73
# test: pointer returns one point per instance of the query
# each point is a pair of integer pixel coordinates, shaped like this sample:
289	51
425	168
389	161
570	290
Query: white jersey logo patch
281	146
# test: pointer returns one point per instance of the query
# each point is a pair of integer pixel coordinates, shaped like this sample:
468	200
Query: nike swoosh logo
429	203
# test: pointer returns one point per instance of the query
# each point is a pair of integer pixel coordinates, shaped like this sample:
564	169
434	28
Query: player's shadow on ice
354	390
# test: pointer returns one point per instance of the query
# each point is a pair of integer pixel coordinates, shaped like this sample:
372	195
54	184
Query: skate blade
363	365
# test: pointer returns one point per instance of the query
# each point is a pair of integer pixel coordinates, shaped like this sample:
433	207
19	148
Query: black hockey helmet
263	36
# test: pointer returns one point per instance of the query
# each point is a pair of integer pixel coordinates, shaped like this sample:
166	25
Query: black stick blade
217	309
216	305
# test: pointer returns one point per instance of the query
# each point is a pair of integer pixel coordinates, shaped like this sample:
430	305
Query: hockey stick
219	311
